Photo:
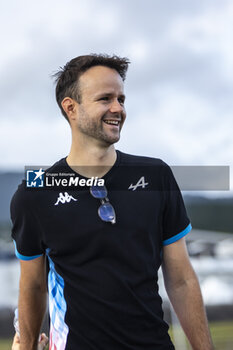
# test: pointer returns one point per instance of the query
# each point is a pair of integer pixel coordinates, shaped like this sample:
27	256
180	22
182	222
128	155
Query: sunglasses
106	211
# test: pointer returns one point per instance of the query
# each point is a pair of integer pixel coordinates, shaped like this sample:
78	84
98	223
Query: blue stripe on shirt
24	257
178	236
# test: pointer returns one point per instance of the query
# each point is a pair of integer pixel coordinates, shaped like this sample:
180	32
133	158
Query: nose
116	107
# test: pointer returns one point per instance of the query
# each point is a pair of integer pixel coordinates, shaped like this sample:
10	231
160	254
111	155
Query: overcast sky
179	86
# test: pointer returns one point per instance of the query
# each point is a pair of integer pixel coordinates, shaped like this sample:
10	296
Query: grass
222	334
5	344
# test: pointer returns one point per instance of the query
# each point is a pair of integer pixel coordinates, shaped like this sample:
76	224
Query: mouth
112	122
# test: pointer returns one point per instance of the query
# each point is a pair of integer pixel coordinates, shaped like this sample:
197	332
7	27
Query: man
104	248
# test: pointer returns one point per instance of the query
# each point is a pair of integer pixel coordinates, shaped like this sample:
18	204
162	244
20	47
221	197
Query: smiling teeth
113	122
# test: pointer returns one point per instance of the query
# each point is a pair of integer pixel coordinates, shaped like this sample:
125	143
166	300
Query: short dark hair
67	78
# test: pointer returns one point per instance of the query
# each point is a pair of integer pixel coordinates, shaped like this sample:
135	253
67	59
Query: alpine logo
64	198
141	183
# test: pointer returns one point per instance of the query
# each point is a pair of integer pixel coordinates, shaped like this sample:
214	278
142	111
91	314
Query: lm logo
35	178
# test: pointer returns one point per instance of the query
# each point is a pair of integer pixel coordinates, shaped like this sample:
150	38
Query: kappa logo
141	183
64	198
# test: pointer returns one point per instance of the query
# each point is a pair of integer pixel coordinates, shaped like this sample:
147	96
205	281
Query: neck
91	160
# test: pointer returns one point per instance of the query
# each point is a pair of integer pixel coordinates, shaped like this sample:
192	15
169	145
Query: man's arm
184	292
41	345
32	301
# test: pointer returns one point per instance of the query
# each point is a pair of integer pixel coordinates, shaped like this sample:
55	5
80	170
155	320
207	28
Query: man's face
101	112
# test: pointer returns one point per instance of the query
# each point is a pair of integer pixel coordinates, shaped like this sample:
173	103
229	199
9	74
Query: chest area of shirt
80	207
70	219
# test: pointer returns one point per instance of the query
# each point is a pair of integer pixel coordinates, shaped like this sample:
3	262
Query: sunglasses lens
99	191
107	213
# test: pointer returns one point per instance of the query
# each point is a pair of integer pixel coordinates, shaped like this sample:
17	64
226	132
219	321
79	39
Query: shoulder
21	202
146	163
26	198
130	159
153	171
22	195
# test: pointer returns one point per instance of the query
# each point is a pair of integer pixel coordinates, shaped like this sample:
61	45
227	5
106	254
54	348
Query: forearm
187	301
32	306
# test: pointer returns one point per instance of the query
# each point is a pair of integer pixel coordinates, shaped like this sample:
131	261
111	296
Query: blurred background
179	101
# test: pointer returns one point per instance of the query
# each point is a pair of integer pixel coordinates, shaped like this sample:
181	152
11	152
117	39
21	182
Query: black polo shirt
103	291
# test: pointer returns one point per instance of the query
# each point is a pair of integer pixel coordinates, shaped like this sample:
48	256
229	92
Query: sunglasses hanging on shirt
106	211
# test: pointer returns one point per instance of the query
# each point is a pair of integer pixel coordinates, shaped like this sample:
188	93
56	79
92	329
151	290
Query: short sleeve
176	223
26	229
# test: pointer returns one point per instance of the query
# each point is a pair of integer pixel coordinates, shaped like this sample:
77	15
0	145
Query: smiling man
104	244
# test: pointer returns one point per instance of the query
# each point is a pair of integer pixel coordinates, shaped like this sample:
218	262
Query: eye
104	98
121	101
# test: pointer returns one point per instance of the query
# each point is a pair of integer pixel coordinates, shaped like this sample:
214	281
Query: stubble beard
95	129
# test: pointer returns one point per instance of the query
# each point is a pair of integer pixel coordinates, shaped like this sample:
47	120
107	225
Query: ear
70	107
